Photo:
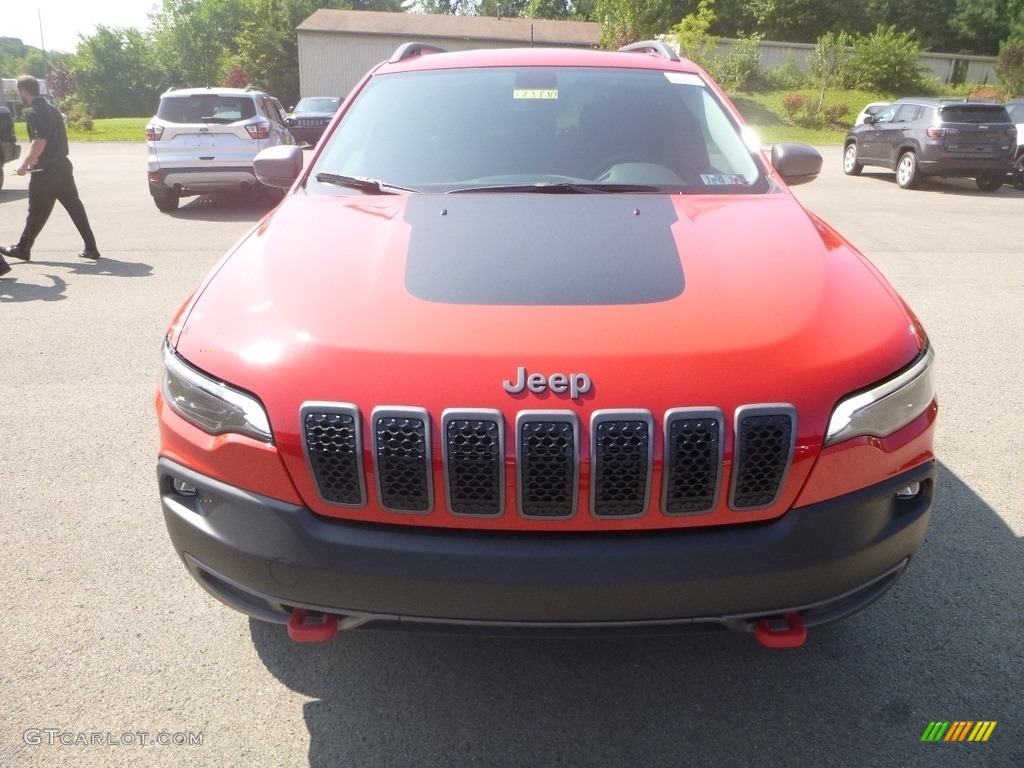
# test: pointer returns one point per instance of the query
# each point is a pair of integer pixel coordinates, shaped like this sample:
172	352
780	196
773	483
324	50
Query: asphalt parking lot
112	656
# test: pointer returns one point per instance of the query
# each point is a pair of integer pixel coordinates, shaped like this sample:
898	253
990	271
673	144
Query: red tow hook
792	635
304	629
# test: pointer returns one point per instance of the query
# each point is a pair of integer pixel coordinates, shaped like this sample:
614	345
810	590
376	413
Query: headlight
886	407
212	406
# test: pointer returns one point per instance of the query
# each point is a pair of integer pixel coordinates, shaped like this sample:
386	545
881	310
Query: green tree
628	21
981	24
1010	69
116	74
196	38
509	9
693	35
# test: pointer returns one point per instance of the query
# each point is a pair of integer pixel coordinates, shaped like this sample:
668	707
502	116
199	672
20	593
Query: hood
441	301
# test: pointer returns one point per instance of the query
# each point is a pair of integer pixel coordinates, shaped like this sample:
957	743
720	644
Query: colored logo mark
959	730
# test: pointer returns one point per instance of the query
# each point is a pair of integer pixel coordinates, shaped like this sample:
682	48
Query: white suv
204	140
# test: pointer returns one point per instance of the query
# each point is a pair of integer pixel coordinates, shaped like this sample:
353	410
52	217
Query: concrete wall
331	63
945	66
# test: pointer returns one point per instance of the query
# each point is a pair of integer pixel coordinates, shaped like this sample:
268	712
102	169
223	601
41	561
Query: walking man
53	178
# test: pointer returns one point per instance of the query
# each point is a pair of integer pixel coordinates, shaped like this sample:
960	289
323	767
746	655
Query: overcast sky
64	20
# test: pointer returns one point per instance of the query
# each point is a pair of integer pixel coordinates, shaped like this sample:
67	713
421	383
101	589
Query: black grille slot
621	453
764	449
548	457
335	457
401	443
693	459
474	463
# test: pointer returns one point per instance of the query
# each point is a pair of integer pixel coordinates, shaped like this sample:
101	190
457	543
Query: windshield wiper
362	183
562	187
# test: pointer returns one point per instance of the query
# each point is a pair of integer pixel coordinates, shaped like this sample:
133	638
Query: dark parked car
918	137
310	117
9	147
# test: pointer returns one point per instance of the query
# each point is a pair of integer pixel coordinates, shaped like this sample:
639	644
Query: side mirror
279	166
869	120
796	163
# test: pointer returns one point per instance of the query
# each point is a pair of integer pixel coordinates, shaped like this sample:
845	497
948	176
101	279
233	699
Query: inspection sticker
535	93
722	179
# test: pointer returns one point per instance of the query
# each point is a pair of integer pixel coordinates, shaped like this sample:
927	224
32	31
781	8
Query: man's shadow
12	290
101	267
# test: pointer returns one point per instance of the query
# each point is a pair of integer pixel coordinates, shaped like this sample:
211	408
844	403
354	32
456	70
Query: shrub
740	69
1010	69
76	115
830	61
786	76
987	93
887	60
793	103
834	113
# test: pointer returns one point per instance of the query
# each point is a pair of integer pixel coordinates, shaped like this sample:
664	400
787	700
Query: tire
1	171
850	165
166	200
989	182
907	174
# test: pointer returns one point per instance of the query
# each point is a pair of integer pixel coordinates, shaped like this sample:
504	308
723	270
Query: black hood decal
542	249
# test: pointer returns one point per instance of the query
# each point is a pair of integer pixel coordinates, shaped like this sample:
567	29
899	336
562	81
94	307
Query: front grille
474	462
693	461
401	459
547	459
334	451
621	454
764	447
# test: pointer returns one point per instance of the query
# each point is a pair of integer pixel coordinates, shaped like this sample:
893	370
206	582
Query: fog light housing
181	488
911	491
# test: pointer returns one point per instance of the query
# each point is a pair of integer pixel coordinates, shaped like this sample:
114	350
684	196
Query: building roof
421	26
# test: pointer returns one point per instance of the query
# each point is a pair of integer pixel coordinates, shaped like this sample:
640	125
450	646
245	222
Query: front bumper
265	557
308	134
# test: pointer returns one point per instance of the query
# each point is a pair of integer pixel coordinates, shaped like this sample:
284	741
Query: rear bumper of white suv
197	179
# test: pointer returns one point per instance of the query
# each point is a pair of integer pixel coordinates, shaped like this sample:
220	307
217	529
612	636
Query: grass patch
767	115
107	129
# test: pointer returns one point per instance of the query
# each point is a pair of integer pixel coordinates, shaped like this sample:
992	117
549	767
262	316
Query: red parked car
540	340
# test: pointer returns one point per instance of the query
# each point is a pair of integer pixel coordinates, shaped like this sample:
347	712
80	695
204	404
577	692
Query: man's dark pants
54	183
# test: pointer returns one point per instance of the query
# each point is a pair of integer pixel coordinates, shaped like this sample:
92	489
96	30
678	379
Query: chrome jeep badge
575	384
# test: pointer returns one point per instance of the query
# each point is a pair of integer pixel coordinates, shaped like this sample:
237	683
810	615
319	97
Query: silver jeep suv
204	140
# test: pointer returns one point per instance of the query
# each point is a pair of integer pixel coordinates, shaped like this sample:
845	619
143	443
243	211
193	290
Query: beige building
336	48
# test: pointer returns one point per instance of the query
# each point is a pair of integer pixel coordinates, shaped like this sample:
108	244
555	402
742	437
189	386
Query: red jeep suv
540	339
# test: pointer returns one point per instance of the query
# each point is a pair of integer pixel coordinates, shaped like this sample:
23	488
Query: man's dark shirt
45	122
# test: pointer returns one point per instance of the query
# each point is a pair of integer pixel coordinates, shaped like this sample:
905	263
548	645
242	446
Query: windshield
528	128
317	105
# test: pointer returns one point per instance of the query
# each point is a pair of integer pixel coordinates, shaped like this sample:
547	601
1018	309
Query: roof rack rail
408	50
656	47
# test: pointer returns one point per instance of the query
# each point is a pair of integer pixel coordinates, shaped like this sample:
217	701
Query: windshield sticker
684	78
722	179
535	93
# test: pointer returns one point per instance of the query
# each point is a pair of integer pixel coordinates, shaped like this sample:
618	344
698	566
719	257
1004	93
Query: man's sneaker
4	267
89	253
15	251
